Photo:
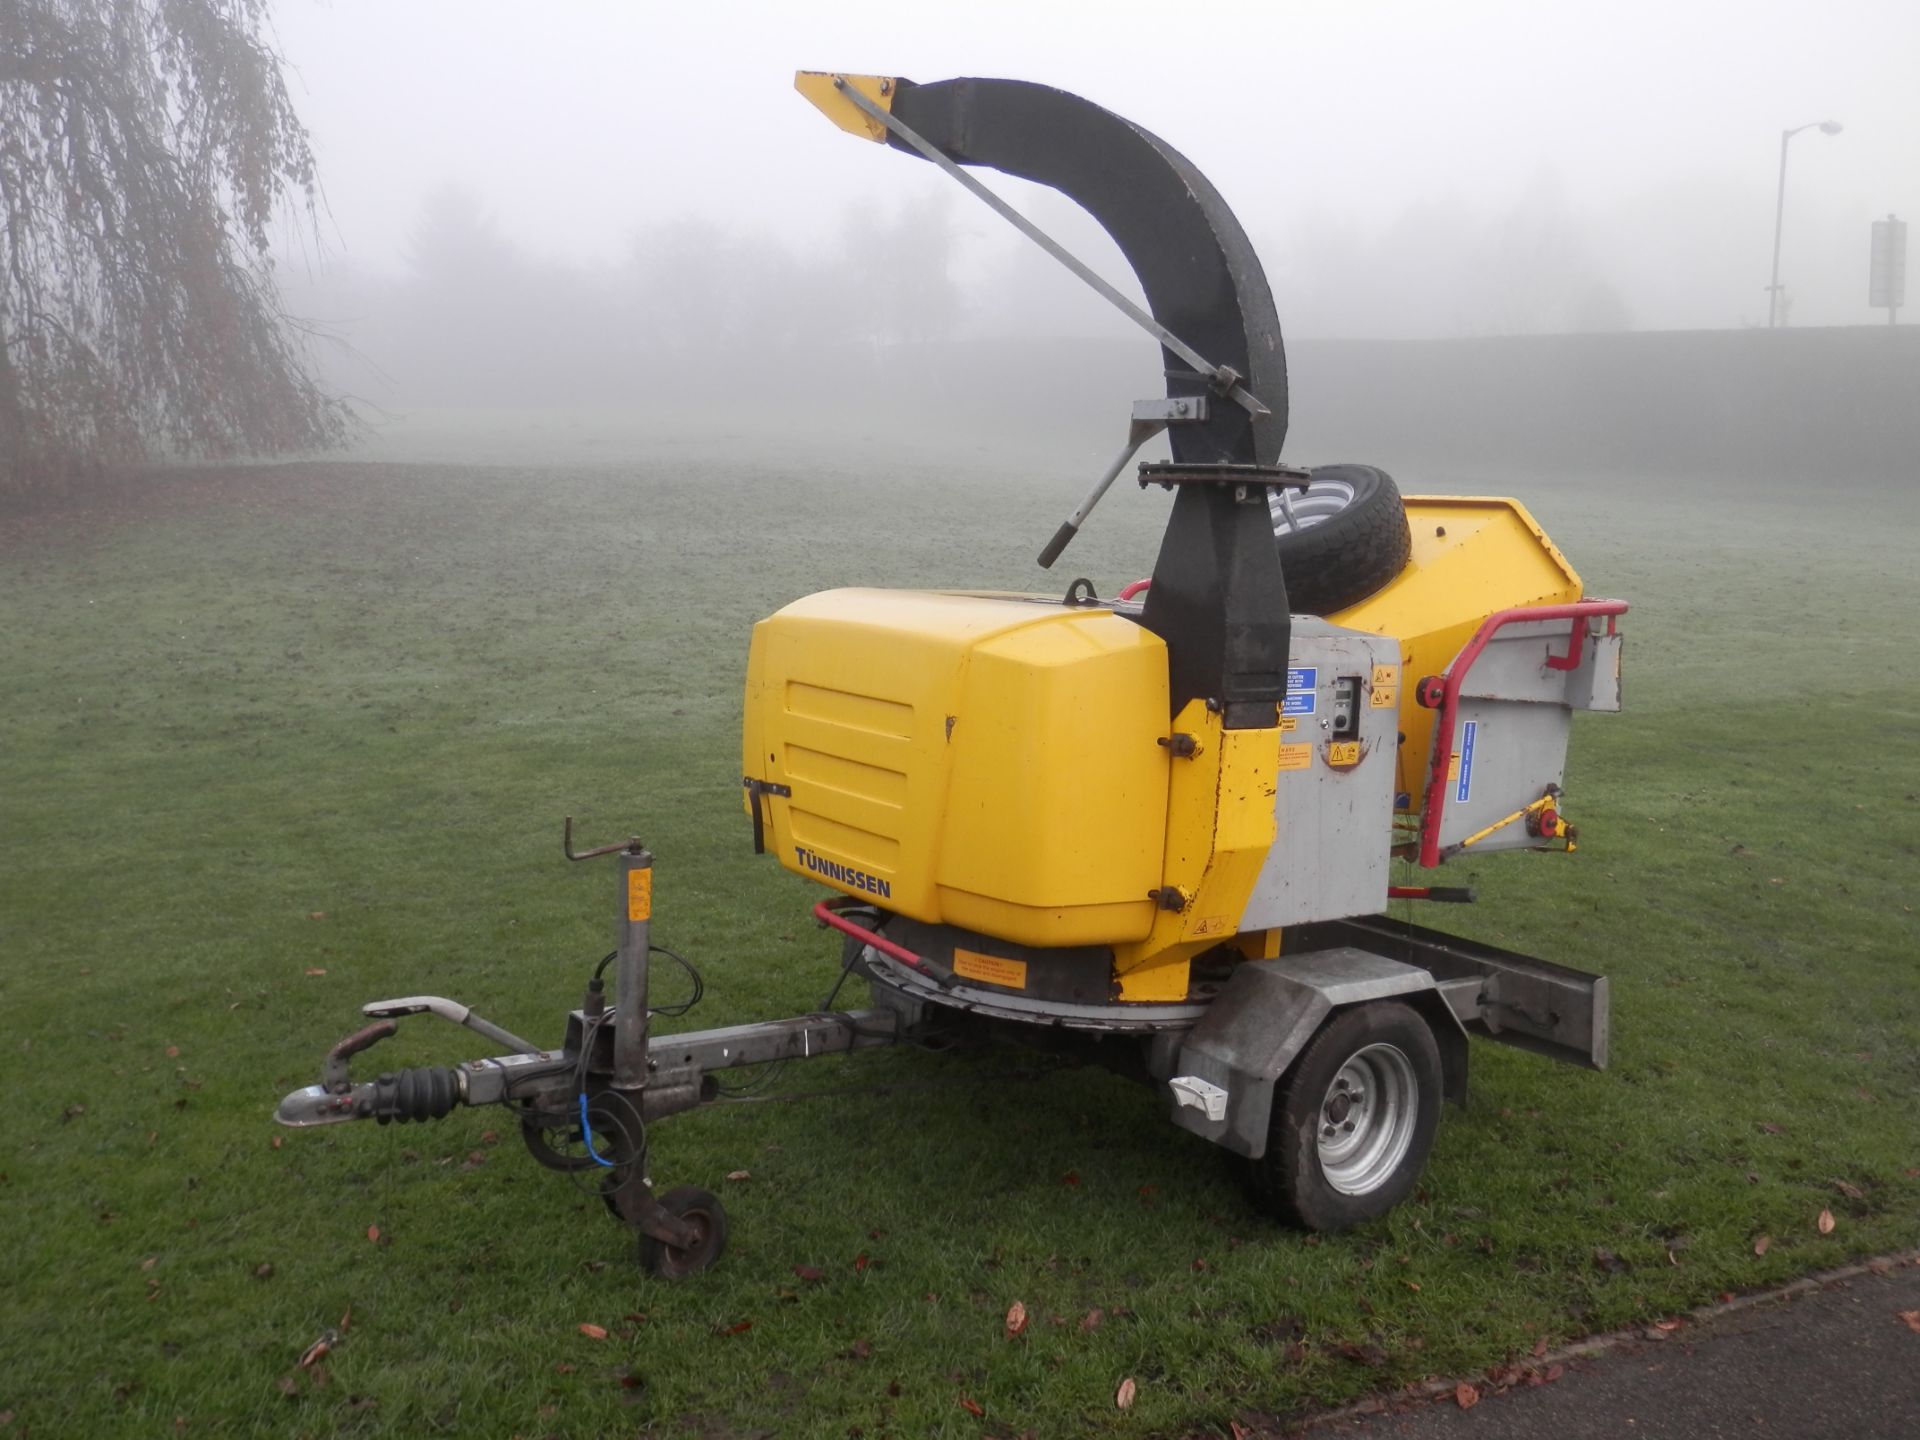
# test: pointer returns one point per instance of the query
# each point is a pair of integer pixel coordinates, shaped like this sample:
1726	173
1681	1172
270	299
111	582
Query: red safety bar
1454	676
827	915
1127	592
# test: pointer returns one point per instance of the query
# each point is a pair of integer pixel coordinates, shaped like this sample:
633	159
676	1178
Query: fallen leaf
971	1406
812	1274
346	1320
489	1137
1910	1318
1237	1431
149	1262
1553	1373
737	1175
861	1350
317	1351
1761	1245
860	1261
592	1331
1199	1264
173	1052
275	1143
1769	1128
288	1386
738	1328
1123	1397
316	915
1090	1321
1016	1320
373	1233
1825	1223
316	970
1667	1327
1465	1396
1852	1192
1072	1177
263	1271
1539	1347
1413	1284
563	1368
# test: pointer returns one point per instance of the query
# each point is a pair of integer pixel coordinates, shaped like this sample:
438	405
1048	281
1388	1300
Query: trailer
1157	831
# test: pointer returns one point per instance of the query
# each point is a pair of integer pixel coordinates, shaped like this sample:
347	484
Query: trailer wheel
1354	1123
1341	539
702	1210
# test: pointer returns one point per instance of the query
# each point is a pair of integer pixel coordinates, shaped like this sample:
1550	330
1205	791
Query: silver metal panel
1331	823
1507	753
1515	713
1596	684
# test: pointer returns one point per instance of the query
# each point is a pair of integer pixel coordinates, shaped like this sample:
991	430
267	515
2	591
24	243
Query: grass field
280	741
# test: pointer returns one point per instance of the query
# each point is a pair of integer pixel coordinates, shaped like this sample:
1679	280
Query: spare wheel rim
1294	510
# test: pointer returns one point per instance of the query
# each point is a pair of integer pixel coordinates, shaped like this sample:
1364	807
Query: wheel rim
1366	1120
1296	510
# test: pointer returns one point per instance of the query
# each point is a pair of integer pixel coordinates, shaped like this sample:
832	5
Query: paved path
1834	1362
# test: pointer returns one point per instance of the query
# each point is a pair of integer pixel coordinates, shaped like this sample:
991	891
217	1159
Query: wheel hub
1367	1119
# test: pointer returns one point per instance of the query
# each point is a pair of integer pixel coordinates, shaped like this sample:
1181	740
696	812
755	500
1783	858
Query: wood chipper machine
1158	830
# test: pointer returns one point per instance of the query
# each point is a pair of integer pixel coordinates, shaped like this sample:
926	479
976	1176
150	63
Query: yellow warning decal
1384	696
990	968
1343	752
1211	925
1388	675
640	894
1289	724
1295	757
1453	767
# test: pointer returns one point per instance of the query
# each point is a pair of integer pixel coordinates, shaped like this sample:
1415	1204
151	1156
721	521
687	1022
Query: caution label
1342	753
640	894
1296	757
990	968
1383	696
1388	675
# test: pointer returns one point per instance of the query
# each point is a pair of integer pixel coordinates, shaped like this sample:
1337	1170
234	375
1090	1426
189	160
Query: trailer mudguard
1265	1015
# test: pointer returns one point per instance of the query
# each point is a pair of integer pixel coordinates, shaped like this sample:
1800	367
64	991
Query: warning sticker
1384	696
640	894
1296	757
1289	724
1386	675
1211	925
1341	753
990	968
1465	788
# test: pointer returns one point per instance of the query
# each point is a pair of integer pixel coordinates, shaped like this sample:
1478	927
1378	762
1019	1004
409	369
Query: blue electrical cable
586	1134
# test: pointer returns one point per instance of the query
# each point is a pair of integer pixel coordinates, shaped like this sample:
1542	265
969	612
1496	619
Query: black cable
699	985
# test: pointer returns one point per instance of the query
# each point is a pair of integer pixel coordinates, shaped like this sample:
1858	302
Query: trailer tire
1348	538
700	1209
1354	1121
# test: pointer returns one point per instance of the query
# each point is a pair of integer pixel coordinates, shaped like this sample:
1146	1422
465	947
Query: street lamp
1825	127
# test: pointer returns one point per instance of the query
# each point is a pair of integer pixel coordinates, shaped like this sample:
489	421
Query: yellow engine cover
984	761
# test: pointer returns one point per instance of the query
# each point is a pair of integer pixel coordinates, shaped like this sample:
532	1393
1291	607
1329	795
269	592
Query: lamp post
1826	127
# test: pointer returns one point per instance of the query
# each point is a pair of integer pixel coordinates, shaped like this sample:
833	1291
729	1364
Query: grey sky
1370	135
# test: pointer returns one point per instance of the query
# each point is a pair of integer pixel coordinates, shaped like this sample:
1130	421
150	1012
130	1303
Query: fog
627	204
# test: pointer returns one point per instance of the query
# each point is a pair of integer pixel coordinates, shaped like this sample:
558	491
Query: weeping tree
146	148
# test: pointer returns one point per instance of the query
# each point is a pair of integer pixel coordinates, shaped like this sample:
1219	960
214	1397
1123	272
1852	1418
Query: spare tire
1340	539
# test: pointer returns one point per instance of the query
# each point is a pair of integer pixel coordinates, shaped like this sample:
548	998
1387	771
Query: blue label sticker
1465	787
1301	694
